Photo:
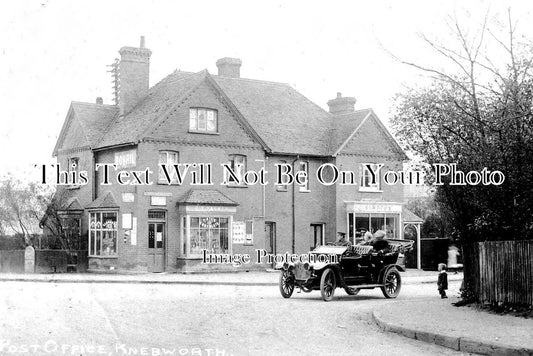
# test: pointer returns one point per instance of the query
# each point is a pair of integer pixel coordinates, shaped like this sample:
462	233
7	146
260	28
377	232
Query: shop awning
409	217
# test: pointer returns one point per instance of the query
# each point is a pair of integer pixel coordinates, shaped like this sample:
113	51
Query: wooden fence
503	271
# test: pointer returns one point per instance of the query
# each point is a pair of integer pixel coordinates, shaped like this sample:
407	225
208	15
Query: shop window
237	164
203	120
169	159
360	223
103	234
208	233
370	180
304	167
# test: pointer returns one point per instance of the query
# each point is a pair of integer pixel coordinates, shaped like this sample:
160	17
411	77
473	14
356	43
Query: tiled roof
72	204
344	125
106	200
409	217
161	97
94	119
282	119
206	197
287	121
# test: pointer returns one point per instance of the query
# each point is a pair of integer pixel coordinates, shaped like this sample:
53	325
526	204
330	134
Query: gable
175	125
72	135
373	139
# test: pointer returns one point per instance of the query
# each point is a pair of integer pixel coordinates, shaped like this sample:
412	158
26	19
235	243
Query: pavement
464	328
433	321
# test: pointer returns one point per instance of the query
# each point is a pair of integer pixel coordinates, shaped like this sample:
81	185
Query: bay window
103	234
207	233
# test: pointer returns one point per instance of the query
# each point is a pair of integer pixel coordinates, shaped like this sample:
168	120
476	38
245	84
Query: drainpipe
294	206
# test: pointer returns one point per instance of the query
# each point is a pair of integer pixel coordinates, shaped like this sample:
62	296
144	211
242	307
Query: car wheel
286	283
328	283
352	291
392	283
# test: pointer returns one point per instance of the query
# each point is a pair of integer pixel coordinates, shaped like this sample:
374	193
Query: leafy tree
478	116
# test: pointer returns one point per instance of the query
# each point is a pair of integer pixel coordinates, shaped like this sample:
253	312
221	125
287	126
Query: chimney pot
142	42
339	95
99	100
229	67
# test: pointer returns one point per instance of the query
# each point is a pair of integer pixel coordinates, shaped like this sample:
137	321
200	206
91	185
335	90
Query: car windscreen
336	250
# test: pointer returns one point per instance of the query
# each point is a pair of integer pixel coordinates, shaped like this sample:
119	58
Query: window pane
98	243
378	222
91	242
391	223
211	121
108	243
192	120
151	235
362	223
201	119
159	236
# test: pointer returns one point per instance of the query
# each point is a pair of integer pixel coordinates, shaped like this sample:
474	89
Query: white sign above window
158	201
126	159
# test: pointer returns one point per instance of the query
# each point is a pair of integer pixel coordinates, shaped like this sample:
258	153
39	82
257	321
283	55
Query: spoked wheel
352	291
286	283
392	283
328	284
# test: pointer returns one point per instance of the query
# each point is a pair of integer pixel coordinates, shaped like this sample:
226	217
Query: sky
54	52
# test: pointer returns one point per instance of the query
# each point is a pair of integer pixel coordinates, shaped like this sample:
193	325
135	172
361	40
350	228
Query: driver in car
341	240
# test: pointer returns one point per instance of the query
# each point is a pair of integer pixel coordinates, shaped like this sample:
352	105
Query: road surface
149	319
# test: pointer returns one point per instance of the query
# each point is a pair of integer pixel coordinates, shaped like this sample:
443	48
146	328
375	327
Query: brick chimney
134	76
341	105
229	67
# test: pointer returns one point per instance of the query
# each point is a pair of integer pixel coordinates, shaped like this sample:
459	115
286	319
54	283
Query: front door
270	237
156	246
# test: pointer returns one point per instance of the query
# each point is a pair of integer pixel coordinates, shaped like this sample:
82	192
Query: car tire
392	283
286	283
352	291
328	283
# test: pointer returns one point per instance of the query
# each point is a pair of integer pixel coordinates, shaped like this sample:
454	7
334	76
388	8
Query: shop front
362	216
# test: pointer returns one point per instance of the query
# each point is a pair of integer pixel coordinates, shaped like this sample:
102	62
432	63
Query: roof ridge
215	76
105	106
353	112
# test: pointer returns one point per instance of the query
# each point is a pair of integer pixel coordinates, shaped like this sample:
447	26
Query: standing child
442	281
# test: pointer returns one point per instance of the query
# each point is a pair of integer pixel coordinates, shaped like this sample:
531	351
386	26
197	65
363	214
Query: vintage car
349	267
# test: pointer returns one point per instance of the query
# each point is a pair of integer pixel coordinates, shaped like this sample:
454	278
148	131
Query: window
103	234
237	163
304	167
361	223
169	159
208	233
284	187
203	120
73	164
317	235
370	181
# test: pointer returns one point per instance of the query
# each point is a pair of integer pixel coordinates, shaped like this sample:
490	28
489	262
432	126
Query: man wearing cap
341	240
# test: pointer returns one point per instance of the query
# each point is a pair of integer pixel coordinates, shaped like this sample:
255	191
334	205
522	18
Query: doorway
156	241
270	237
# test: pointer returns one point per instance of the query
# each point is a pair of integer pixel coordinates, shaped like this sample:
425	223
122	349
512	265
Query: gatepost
29	260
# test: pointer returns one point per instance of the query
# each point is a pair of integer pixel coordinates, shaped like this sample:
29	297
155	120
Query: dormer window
203	120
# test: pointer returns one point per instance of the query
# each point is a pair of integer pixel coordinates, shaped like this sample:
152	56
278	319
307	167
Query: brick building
198	117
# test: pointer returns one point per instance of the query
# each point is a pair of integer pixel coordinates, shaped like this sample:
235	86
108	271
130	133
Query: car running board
367	286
